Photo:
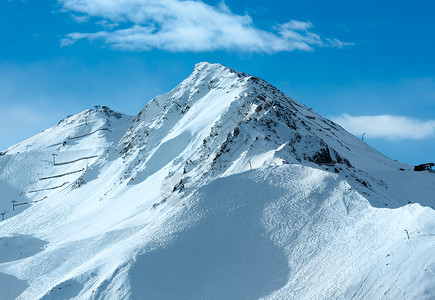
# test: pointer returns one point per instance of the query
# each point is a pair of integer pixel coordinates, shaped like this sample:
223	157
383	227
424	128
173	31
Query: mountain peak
99	121
219	121
215	70
206	66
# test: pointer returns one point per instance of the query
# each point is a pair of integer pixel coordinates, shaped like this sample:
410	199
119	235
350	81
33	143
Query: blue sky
368	65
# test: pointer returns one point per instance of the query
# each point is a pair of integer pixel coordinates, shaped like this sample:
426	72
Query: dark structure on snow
424	167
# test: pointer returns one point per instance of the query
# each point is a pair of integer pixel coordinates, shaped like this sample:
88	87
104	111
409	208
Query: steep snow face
219	122
223	188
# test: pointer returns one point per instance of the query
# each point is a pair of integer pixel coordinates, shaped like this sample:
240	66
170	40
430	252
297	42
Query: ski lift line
61	175
80	136
55	144
51	188
30	202
76	160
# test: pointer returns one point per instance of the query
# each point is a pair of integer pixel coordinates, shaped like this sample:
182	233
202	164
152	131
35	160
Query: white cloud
80	19
107	25
387	126
180	26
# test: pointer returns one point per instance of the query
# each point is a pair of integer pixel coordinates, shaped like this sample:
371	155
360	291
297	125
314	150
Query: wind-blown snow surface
224	188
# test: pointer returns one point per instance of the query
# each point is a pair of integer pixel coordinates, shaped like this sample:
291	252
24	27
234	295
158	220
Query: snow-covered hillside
53	159
223	188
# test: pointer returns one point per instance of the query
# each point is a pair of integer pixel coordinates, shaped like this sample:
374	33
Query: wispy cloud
387	126
182	26
80	19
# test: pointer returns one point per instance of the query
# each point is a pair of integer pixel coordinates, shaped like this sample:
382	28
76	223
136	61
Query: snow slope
77	141
223	188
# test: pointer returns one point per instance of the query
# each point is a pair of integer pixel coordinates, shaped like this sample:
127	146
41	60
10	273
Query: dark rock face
322	157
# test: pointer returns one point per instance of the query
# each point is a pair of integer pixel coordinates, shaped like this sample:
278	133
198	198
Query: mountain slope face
223	188
32	168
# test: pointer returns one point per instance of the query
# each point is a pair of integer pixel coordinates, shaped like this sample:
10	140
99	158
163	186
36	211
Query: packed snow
223	188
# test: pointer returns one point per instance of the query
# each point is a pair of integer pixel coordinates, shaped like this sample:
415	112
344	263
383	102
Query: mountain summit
223	188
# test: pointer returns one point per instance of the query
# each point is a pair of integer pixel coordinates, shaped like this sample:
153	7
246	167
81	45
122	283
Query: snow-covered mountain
223	188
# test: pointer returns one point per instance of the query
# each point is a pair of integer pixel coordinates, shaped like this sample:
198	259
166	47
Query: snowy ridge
223	188
252	121
77	142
